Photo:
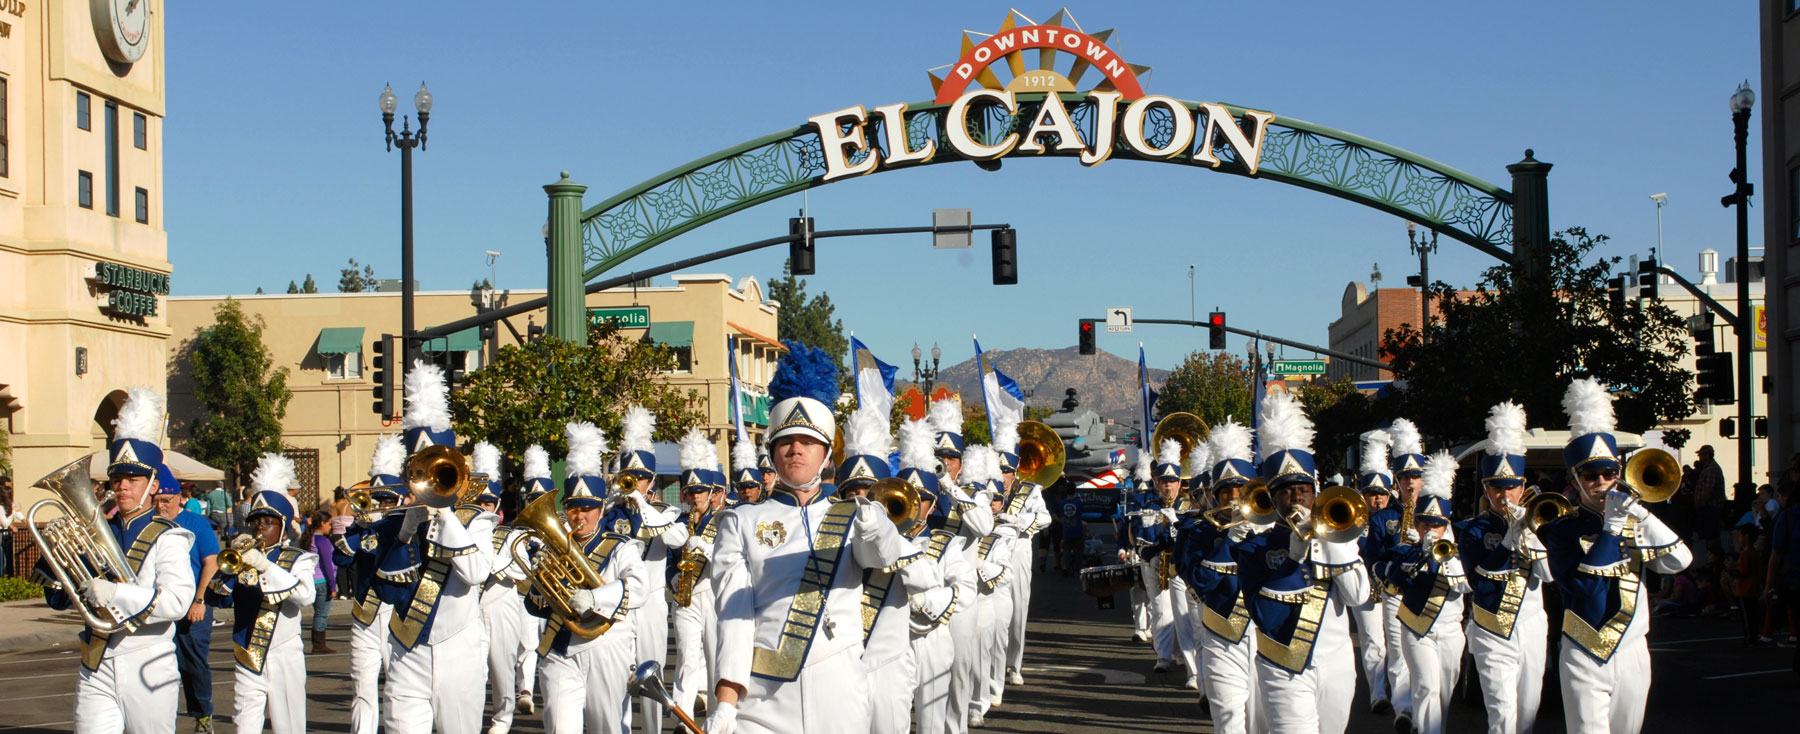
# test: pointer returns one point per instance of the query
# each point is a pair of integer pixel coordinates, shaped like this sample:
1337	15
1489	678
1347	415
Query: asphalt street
1083	674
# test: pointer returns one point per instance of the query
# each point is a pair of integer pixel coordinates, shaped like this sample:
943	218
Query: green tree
531	390
352	280
242	395
1340	414
309	286
1515	341
292	287
1212	385
807	319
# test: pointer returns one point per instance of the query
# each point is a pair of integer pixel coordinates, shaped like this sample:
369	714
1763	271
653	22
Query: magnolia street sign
633	317
1296	367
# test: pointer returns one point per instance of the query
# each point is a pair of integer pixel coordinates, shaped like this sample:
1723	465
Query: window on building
140	131
346	366
143	206
84	189
83	118
112	158
4	173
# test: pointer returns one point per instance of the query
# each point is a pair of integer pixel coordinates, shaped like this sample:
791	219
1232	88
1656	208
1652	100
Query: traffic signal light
1647	278
1703	334
1006	256
386	364
1761	426
1215	325
1728	427
800	251
1084	338
1615	294
1713	374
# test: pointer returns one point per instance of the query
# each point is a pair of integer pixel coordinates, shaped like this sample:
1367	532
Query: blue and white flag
737	393
1259	391
1149	401
874	378
999	393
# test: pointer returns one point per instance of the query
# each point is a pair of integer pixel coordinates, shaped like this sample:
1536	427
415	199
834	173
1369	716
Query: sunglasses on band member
1593	476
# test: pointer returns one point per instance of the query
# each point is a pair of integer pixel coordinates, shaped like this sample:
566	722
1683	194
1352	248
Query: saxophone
687	570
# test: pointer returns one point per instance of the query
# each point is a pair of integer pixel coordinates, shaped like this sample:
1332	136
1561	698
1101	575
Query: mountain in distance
1105	382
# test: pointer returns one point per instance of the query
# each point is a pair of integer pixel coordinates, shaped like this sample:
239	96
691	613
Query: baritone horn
561	568
1652	474
1041	454
439	476
904	505
78	546
1185	429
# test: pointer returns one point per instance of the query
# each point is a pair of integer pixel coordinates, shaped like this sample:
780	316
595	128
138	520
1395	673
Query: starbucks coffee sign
127	291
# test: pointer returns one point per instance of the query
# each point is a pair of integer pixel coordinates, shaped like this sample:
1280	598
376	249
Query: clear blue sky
275	166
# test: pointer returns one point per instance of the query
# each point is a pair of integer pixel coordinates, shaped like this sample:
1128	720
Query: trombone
1185	429
1338	514
904	505
1652	474
1254	505
438	476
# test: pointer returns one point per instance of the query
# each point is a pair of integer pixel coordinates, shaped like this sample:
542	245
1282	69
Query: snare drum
1102	581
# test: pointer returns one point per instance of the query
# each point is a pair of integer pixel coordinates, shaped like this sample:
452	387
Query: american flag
1108	479
1116	458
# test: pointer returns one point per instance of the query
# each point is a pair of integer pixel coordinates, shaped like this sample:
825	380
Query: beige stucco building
326	340
83	255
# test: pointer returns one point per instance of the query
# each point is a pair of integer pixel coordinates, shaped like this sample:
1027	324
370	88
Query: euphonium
78	546
1185	429
561	568
439	477
1652	474
903	504
1041	454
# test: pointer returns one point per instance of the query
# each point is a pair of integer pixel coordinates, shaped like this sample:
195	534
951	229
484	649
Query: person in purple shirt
193	633
324	577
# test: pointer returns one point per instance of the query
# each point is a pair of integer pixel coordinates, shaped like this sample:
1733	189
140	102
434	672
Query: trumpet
561	568
78	547
231	560
1338	514
439	477
1443	550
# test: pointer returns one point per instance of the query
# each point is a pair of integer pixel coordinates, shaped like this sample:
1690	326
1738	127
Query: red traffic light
1087	326
1218	319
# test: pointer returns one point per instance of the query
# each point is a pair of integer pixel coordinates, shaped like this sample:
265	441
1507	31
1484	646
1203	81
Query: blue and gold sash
1505	614
600	557
254	650
1295	655
808	607
93	645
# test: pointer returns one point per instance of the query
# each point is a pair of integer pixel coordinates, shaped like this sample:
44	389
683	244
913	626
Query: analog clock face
122	27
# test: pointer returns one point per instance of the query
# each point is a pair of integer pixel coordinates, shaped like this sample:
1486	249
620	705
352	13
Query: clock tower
84	264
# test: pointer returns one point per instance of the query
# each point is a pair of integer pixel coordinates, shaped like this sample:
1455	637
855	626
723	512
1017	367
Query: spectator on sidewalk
193	633
191	501
324	577
1709	499
6	523
1782	584
1745	579
218	509
1074	535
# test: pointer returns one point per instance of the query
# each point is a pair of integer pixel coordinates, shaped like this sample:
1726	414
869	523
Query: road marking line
1703	639
1742	675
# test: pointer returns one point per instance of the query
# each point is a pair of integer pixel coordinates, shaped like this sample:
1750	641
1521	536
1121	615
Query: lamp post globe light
406	140
1424	249
1741	101
922	375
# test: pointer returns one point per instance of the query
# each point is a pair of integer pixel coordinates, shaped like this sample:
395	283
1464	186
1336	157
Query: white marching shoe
1013	678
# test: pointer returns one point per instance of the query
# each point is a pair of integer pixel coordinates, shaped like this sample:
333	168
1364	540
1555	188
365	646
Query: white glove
582	602
933	602
99	592
257	559
1007	518
1410	537
1298	548
723	719
1618	507
1124	557
1514	512
1301	514
1147	520
1237	533
694	543
1168	514
640	502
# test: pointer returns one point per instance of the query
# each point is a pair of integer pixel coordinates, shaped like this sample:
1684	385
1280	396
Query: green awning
340	340
467	340
673	333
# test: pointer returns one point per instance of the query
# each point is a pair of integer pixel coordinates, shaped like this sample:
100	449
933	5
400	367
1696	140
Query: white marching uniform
995	577
1509	654
503	616
1317	697
128	680
369	654
1372	650
790	588
976	518
1031	521
1434	639
933	649
271	661
888	641
436	676
585	677
697	625
662	529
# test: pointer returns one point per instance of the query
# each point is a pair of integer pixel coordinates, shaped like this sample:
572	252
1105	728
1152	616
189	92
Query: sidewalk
31	623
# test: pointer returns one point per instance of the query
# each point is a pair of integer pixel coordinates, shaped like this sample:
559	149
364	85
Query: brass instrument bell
439	476
1442	550
904	505
1338	514
1545	507
1186	430
1041	454
1652	474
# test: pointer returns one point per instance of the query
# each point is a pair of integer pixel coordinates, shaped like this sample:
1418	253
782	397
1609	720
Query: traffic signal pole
1333	353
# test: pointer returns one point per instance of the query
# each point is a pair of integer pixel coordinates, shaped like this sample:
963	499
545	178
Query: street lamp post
406	141
1424	250
926	376
1741	102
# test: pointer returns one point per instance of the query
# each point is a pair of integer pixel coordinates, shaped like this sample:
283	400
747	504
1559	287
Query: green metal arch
1295	152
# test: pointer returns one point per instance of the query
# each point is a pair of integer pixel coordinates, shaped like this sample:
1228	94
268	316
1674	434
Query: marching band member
1227	653
765	468
1299	590
502	608
696	611
746	475
1407	450
128	679
1507	625
1138	500
1428	573
973	520
586	670
993	608
790	596
932	608
431	567
1595	557
1025	510
1153	535
358	547
269	587
1375	483
658	528
538	483
1188	527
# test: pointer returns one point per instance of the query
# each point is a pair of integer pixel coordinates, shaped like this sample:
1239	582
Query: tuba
1652	474
439	477
1185	429
78	546
561	568
904	506
1041	454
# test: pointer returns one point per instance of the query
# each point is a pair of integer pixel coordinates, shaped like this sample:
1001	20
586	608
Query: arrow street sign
1286	367
1118	320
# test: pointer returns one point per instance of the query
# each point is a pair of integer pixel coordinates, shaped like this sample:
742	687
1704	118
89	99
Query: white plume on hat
389	457
1374	451
587	449
1141	471
537	462
946	417
485	461
866	432
1440	470
1169	452
427	398
274	473
1406	438
1284	426
743	455
916	438
1590	408
1229	440
1199	459
1006	431
697	451
1506	429
980	464
638	425
141	417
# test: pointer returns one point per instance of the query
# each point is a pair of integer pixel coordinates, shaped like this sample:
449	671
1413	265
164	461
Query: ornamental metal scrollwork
1294	152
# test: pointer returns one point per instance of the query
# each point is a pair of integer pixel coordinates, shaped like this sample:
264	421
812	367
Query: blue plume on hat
805	372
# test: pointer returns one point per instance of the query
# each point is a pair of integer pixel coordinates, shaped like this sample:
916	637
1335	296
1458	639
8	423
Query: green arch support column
1299	153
